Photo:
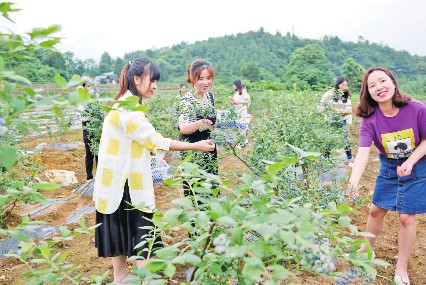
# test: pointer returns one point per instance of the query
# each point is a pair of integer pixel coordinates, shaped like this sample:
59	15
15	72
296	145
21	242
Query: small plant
46	262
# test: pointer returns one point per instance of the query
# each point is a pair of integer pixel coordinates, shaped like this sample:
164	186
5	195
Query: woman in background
240	100
197	110
182	89
339	99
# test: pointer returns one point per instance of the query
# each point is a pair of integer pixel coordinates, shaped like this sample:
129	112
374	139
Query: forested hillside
271	53
253	56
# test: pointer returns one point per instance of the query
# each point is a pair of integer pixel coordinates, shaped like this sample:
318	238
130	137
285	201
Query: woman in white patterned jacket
124	175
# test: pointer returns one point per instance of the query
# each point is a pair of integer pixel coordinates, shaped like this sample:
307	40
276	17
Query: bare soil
83	251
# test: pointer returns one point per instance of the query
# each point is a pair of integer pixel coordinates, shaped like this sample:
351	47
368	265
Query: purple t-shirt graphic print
398	136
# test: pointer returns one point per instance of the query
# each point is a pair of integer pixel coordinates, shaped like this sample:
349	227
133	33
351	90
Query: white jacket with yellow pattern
128	140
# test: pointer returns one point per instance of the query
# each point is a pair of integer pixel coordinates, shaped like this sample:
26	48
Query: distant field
110	90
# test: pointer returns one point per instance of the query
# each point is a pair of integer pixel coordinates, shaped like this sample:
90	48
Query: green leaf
187	258
39	261
169	270
370	270
18	104
11	75
184	203
46	186
202	220
18	185
273	169
253	268
344	221
142	108
4	199
83	95
227	220
217	208
290	160
236	251
155	265
45	252
50	43
64	256
216	268
74	97
172	214
21	236
58	112
7	156
288	237
237	235
37	197
83	223
107	108
380	262
167	253
61	81
353	229
267	231
344	208
278	272
44	32
64	231
304	154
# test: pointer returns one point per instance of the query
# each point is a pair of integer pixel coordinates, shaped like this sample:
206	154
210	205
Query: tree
90	67
165	68
73	65
353	71
118	66
309	67
54	59
105	64
251	71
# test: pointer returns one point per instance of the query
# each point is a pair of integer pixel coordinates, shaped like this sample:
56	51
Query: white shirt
240	102
128	140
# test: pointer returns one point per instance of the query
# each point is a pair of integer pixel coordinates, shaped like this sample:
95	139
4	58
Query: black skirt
121	231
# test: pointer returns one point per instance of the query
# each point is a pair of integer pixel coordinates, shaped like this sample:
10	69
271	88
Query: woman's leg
406	240
141	263
88	159
119	265
375	222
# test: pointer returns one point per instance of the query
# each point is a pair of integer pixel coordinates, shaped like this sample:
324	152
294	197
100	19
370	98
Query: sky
92	27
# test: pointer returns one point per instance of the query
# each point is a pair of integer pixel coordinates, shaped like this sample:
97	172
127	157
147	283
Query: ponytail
124	84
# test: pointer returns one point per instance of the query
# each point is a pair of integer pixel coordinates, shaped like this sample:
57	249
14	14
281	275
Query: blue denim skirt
405	195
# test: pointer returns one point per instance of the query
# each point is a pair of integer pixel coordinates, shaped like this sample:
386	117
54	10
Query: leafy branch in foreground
249	234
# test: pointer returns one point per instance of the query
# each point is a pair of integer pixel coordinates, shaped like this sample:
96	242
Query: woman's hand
206	122
405	169
353	191
205	145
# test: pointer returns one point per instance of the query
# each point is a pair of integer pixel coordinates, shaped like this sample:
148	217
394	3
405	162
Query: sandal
400	281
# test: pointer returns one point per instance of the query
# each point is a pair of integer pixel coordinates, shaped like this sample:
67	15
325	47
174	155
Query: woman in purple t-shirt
396	124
